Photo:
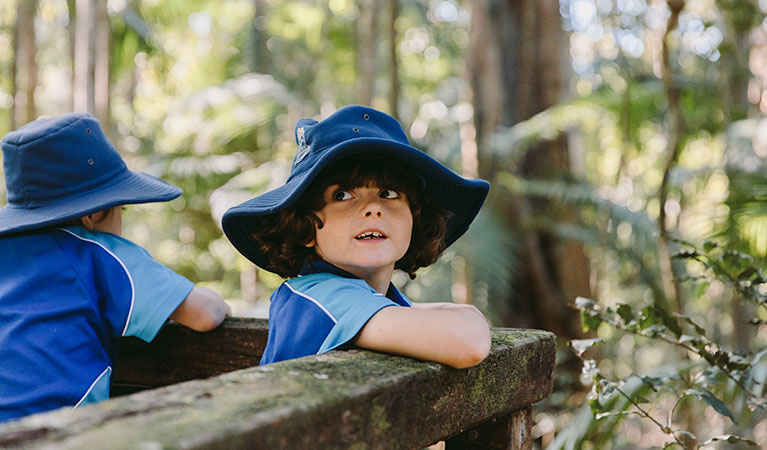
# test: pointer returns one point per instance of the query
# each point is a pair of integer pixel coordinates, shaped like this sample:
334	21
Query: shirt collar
321	266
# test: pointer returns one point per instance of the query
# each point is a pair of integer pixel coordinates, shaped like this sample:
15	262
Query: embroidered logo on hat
303	149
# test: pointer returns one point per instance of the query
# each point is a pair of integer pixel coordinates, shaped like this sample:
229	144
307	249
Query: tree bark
516	60
71	33
24	65
367	30
101	57
259	55
85	64
393	60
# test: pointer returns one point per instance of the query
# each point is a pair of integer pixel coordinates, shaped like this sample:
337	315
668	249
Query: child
70	286
360	202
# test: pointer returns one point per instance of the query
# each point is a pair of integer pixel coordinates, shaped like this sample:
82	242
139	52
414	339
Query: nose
372	206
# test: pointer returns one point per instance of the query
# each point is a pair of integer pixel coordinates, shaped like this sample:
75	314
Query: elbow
207	322
474	349
210	317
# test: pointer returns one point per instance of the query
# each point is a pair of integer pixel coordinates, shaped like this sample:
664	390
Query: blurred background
625	140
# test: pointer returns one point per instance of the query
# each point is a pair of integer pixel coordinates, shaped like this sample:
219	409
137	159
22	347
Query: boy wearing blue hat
70	286
360	202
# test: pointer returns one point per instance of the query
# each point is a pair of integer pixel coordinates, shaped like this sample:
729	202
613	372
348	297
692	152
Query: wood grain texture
341	399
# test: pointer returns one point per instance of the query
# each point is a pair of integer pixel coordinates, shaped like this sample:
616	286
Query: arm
201	310
448	333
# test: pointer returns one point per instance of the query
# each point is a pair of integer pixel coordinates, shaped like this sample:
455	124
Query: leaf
602	415
709	245
581	345
701	288
758	356
626	312
687	339
749	274
731	439
590	369
686	434
585	303
590	320
714	402
699	329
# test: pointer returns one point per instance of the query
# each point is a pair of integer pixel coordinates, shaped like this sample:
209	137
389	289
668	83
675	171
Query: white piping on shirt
132	287
108	369
319	305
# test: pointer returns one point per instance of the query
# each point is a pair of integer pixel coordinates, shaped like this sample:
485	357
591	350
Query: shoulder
107	240
111	244
324	285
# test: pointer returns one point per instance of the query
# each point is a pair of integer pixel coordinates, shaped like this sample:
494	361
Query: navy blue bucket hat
64	167
353	130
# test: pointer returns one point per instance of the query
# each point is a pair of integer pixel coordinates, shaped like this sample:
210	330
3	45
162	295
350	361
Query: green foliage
705	366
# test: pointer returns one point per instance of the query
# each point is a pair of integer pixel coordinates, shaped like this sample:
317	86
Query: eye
341	195
388	193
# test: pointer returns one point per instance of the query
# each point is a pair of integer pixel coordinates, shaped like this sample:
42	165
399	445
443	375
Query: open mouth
370	235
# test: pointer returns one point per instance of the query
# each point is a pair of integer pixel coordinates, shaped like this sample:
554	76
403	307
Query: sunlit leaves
581	345
708	397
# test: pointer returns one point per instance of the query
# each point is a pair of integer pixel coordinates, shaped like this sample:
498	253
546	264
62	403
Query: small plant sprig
694	377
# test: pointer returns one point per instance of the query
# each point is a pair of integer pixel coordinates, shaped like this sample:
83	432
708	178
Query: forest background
625	140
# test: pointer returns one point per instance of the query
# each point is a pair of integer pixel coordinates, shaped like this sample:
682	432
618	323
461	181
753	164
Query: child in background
360	202
70	286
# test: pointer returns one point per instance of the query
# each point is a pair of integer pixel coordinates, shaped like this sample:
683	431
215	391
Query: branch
671	283
643	413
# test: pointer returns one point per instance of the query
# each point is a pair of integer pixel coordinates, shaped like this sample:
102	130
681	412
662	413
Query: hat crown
57	156
346	125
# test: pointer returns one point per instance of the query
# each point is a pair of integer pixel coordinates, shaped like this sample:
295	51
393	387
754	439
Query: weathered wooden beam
508	432
179	354
342	399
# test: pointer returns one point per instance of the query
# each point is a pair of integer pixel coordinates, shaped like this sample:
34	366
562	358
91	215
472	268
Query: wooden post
509	432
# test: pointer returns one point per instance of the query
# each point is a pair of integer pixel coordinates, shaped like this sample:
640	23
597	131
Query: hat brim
128	188
462	197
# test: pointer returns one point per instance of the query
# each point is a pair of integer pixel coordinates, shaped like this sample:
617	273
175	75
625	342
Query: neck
379	283
378	278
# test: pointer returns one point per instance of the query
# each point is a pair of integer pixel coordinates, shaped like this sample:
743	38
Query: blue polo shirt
321	310
66	297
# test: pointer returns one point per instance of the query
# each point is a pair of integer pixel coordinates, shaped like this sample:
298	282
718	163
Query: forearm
456	335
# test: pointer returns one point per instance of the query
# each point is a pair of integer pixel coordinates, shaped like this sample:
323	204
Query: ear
89	221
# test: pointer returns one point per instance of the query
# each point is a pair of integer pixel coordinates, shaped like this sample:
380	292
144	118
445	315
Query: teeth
370	235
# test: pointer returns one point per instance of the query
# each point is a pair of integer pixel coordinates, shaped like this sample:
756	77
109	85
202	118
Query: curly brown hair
284	236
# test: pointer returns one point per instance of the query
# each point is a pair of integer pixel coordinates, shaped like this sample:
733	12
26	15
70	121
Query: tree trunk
259	54
516	60
393	62
101	66
24	64
71	33
367	27
85	64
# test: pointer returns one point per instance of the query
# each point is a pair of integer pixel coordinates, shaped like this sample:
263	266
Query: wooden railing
342	399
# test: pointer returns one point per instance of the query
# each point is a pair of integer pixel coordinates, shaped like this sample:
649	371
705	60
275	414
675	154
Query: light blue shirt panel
99	390
157	290
349	302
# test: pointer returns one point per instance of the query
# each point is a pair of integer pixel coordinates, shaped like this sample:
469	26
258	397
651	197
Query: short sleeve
140	292
350	303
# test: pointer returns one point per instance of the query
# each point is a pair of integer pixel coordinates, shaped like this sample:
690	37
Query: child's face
365	231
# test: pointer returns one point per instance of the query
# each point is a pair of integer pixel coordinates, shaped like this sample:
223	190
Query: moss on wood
342	399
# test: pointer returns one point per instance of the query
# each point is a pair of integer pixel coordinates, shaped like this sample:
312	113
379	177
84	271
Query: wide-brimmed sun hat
64	167
353	130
